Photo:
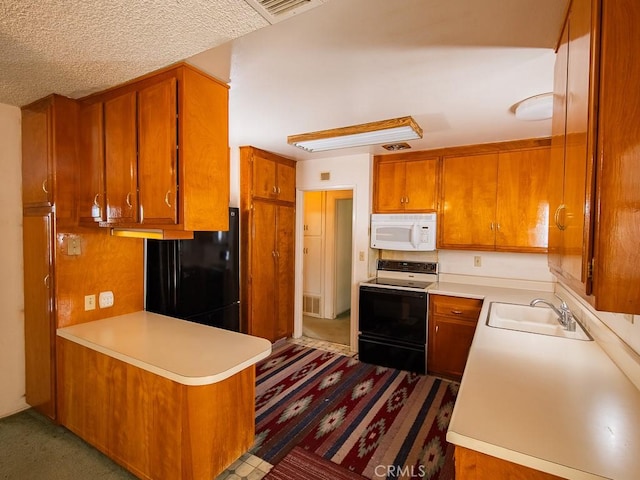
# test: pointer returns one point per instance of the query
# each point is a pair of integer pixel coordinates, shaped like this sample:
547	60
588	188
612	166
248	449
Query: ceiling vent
275	11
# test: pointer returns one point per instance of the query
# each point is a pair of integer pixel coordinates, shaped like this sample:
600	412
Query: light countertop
186	352
557	405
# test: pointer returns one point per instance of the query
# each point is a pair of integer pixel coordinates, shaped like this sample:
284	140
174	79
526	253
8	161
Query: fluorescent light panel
385	131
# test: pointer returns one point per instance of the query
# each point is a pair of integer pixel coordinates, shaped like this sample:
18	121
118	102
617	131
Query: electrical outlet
106	299
89	302
477	261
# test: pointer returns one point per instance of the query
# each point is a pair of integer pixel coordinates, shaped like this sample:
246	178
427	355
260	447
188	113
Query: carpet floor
374	421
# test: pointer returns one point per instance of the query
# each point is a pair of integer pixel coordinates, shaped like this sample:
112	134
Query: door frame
299	229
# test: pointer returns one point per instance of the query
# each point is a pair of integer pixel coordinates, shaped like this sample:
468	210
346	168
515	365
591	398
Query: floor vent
275	11
311	305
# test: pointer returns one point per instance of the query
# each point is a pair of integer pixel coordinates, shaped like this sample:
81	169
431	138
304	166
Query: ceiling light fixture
374	133
538	107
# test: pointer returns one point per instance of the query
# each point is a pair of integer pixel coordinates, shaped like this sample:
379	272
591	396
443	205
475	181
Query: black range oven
393	315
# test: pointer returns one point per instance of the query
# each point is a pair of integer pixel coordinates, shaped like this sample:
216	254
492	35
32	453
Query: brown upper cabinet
154	153
495	201
572	151
49	145
272	178
402	185
596	223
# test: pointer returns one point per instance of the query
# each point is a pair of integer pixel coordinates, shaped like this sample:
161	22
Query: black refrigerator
198	279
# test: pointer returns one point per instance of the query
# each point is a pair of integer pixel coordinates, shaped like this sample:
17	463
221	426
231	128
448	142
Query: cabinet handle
46	281
95	200
406	199
275	189
498	227
491	226
277	254
44	186
129	200
273	253
456	312
556	217
166	198
278	191
437	328
401	199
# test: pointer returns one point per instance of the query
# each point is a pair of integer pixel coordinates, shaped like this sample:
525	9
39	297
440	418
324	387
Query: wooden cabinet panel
285	256
495	201
166	153
389	187
153	426
37	159
286	182
616	275
469	201
452	324
268	231
421	185
120	157
91	188
157	146
263	271
405	185
312	266
473	465
39	324
522	206
557	166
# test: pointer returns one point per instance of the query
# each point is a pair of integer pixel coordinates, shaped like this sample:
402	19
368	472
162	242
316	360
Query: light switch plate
89	302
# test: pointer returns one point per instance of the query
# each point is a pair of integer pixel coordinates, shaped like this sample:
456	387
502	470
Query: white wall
12	383
352	172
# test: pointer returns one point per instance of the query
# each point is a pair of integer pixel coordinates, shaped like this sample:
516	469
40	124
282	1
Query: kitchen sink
524	318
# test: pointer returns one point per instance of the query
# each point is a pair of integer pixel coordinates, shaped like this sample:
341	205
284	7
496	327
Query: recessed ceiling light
394	147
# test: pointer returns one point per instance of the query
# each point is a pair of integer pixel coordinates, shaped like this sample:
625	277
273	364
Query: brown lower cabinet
452	324
473	465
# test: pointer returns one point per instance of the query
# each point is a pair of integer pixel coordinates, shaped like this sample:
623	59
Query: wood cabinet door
616	274
389	187
285	255
313	213
157	152
91	197
263	274
469	201
451	344
39	328
37	156
421	185
556	166
264	177
120	158
286	182
578	154
522	206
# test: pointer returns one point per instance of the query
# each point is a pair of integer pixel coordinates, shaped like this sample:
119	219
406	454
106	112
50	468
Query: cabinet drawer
456	307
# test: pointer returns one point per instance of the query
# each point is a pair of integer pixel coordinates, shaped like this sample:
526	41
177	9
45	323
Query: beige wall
11	294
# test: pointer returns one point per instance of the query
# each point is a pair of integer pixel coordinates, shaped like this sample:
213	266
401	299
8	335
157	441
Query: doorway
327	265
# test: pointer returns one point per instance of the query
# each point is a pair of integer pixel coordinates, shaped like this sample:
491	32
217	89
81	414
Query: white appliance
400	231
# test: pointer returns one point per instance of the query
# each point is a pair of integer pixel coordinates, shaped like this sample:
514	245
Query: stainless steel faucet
565	316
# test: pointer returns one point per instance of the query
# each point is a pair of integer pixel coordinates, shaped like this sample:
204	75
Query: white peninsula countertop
554	404
186	352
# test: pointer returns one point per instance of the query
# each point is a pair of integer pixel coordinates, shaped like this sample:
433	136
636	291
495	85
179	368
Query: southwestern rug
374	421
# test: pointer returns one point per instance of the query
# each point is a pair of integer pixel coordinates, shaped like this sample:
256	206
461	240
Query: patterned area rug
374	421
300	464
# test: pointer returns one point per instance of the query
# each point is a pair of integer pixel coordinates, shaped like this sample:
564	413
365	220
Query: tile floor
250	467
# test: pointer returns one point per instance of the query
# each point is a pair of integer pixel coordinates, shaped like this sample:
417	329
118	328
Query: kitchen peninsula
163	397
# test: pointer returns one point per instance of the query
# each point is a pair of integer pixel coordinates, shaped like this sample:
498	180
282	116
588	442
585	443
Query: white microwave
399	231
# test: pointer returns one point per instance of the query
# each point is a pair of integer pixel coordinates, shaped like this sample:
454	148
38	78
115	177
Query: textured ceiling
75	47
456	66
